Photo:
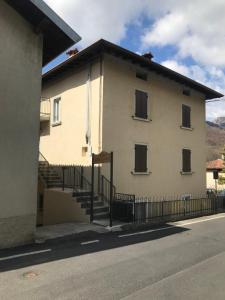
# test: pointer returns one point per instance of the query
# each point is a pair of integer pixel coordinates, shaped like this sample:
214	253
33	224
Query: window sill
141	119
56	124
186	173
187	128
140	173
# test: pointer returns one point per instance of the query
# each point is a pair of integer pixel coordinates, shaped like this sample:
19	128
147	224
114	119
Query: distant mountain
220	121
215	138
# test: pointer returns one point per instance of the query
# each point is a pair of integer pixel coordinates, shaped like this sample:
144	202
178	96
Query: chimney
148	55
72	52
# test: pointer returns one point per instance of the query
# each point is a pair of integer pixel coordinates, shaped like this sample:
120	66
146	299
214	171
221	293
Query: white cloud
99	18
196	28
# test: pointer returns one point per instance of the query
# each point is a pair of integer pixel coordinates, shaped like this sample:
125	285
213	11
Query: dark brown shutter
141	158
186	154
141	106
186	116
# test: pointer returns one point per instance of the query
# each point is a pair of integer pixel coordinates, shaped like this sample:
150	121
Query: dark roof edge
103	45
42	6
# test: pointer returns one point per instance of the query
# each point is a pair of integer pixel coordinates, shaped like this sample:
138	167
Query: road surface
181	261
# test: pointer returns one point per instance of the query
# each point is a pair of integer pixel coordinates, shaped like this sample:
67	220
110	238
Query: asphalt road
185	261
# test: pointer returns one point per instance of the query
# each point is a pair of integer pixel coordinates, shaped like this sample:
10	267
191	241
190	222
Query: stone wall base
16	231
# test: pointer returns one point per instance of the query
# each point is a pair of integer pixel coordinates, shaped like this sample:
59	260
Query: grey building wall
20	86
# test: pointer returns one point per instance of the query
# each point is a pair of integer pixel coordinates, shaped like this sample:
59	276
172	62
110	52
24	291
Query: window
141	105
142	75
186	92
56	110
141	158
186	116
186	160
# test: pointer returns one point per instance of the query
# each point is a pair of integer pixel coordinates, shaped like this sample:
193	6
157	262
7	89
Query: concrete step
99	216
86	199
88	204
82	194
52	177
98	210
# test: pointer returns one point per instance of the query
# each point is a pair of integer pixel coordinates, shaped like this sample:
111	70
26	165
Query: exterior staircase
50	177
81	191
101	210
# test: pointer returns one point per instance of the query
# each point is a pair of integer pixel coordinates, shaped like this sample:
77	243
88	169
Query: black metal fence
72	177
145	210
123	207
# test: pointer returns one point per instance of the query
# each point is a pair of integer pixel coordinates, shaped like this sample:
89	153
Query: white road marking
200	221
90	242
172	226
24	254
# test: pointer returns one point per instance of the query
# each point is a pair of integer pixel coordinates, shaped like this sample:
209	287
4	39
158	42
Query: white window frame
56	121
147	160
134	106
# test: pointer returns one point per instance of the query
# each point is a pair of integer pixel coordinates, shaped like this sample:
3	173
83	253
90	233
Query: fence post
134	207
74	178
111	190
101	187
63	181
48	175
162	209
82	177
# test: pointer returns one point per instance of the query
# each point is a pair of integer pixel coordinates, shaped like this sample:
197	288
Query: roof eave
58	36
105	46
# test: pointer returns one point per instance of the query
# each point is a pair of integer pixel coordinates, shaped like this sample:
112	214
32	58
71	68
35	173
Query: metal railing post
102	182
63	177
82	177
134	213
74	178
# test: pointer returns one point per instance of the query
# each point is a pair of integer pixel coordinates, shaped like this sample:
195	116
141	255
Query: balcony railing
45	110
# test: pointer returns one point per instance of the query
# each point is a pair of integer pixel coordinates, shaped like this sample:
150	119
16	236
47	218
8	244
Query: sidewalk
67	229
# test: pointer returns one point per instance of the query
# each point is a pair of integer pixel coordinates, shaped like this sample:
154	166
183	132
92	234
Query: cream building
214	169
29	33
106	98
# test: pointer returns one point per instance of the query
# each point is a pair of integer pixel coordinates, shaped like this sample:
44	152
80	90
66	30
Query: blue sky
179	37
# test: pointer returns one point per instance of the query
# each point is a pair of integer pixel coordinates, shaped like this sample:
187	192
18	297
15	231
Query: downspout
100	116
88	110
100	104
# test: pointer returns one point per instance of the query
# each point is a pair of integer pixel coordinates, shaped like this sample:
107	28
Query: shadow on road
71	246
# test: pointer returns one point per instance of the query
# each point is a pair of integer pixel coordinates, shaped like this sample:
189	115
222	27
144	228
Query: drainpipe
100	116
100	104
88	109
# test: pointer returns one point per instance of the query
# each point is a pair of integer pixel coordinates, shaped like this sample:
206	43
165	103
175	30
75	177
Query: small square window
142	75
186	92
